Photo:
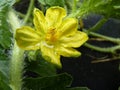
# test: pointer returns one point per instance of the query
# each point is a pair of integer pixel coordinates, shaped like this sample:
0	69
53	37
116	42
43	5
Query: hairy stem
17	65
17	58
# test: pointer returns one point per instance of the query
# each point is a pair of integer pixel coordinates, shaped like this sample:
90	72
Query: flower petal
68	52
54	16
27	38
39	21
74	41
68	27
49	54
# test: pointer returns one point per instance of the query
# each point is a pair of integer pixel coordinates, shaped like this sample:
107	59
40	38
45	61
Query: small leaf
4	3
61	80
108	8
55	2
4	68
41	66
42	2
5	34
3	55
4	83
63	88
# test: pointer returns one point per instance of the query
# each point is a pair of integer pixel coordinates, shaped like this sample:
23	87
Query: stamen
47	45
51	36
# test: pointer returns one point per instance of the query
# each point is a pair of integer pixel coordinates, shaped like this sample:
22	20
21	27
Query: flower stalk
28	12
17	57
98	25
112	49
111	39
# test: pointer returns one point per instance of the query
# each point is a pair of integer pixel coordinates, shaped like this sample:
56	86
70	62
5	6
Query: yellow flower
54	35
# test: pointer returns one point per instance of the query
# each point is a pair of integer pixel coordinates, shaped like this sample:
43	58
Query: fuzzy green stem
17	58
17	65
102	49
28	12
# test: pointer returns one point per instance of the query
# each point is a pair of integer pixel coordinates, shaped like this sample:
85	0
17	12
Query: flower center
51	36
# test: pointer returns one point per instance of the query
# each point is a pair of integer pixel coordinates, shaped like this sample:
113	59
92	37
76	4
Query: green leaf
52	2
41	66
63	88
56	82
4	68
108	8
4	83
42	2
61	80
6	3
5	34
3	55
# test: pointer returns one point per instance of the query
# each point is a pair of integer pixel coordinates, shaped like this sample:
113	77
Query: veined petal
74	41
39	21
68	27
27	38
49	54
68	52
54	16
